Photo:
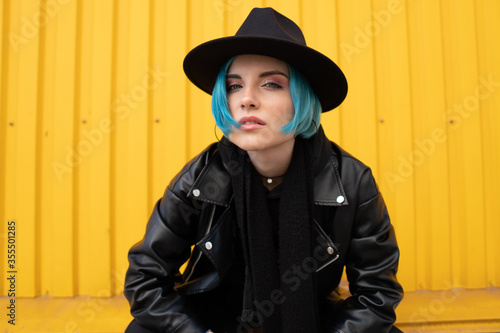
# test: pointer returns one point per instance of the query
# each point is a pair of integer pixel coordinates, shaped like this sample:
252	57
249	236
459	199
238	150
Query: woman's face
258	96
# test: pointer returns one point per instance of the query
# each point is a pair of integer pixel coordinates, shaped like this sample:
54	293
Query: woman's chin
260	140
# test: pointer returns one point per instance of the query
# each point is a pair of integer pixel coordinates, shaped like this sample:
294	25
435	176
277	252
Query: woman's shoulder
192	169
354	173
344	159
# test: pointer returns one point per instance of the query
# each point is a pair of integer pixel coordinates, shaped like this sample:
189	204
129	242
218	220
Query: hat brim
202	64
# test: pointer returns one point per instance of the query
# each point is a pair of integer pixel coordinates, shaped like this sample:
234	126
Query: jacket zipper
329	243
328	263
199	252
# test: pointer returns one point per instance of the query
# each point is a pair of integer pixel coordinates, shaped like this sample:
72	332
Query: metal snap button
208	246
330	250
340	199
196	192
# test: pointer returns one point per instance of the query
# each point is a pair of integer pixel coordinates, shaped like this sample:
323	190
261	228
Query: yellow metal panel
57	77
321	32
63	205
465	153
392	79
357	113
93	152
97	116
47	222
488	34
131	208
158	141
428	157
79	166
169	94
204	24
22	106
48	225
3	131
120	112
96	131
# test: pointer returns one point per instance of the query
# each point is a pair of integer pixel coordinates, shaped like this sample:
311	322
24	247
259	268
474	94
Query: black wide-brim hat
267	32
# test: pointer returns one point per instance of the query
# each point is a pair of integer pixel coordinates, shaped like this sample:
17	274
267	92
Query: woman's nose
249	99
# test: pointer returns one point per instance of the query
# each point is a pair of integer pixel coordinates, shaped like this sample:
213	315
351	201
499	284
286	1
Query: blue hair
307	107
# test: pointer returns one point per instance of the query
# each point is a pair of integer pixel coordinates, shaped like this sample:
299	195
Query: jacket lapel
213	185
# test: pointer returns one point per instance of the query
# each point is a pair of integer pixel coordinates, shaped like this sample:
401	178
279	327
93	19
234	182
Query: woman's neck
274	162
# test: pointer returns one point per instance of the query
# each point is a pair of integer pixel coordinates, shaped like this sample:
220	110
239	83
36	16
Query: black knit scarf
280	295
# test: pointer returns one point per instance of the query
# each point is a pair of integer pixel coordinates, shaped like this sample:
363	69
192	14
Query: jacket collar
213	185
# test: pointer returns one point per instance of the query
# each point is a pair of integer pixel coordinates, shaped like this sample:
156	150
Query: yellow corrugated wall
97	116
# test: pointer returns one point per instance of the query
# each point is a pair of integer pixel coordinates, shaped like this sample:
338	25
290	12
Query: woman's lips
251	123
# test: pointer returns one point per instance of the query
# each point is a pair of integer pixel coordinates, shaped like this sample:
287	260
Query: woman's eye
272	85
232	87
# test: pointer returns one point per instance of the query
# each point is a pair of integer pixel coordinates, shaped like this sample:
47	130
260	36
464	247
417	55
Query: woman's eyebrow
269	73
263	74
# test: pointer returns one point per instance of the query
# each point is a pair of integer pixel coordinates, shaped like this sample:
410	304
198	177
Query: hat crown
268	23
267	32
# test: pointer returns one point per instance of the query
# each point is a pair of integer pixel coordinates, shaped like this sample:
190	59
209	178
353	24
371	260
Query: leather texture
194	221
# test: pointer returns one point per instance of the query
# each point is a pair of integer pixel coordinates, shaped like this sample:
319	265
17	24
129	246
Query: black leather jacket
351	225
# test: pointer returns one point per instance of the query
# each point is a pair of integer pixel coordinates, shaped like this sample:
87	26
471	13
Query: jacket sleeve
154	265
371	266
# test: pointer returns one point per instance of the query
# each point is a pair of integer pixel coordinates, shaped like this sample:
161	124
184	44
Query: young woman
275	210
